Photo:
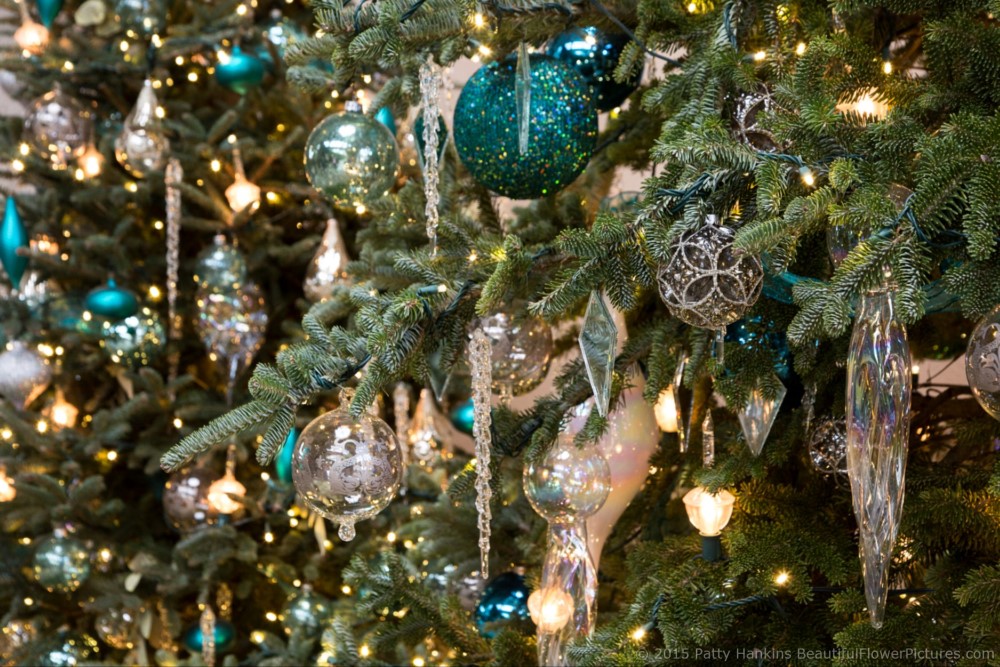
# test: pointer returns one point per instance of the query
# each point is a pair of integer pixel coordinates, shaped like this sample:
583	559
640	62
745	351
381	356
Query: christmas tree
518	388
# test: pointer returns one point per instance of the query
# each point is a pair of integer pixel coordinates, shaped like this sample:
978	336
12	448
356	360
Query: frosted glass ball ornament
352	159
62	563
347	469
521	351
569	483
982	363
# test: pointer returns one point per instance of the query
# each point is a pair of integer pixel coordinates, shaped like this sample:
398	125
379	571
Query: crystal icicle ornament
173	177
522	90
598	342
758	415
682	440
401	413
480	354
142	145
328	267
708	440
430	85
207	623
878	415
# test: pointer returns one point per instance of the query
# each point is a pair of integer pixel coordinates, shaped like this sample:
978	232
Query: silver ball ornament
58	128
982	363
749	106
305	614
521	351
828	447
24	374
185	499
61	563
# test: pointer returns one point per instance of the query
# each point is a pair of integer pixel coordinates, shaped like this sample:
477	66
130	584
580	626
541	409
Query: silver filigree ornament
749	106
828	447
708	282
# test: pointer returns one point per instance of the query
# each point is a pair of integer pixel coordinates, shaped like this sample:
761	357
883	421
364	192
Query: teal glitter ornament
283	461
61	564
111	302
13	236
239	71
352	159
561	136
48	10
463	416
504	604
225	635
305	614
595	54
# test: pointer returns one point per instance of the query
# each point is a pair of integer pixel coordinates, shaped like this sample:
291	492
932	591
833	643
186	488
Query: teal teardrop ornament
239	71
283	461
464	416
225	633
384	116
112	302
13	235
48	10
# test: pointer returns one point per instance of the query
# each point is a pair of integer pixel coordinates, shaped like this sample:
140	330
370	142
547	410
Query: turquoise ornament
283	461
225	634
384	116
504	604
562	130
463	416
48	10
13	235
241	72
112	302
595	54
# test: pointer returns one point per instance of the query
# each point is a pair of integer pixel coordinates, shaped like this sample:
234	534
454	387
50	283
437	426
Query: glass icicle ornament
430	84
61	563
328	266
57	128
142	146
598	341
24	374
480	353
566	487
521	352
347	469
758	415
878	415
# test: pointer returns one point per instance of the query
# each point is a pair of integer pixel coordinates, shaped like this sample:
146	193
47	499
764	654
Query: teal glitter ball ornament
61	564
48	10
239	71
283	461
13	237
111	302
305	614
463	416
504	603
225	637
351	158
595	54
561	136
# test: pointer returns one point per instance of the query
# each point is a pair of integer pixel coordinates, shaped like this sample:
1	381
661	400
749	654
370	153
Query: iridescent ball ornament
62	563
305	614
982	363
58	128
185	500
562	132
504	604
347	469
24	374
828	447
352	159
708	283
134	341
570	483
595	54
521	351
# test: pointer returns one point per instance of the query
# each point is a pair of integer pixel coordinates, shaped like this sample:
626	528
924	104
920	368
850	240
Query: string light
639	634
223	493
887	67
800	48
364	651
782	578
32	37
550	609
91	162
7	489
479	20
807	176
709	512
760	56
63	413
665	410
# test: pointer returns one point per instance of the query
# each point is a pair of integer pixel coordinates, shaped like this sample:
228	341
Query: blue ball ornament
283	461
595	54
752	332
13	236
504	603
112	302
562	128
225	635
463	416
241	72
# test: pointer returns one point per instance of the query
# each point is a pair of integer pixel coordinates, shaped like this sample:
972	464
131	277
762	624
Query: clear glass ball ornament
305	614
352	159
982	363
569	483
61	564
708	283
58	128
135	340
828	447
114	627
347	469
185	499
521	351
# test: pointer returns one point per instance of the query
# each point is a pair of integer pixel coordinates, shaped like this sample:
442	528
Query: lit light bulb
62	413
808	178
665	410
32	37
709	512
91	162
867	105
550	609
7	489
800	48
220	492
243	193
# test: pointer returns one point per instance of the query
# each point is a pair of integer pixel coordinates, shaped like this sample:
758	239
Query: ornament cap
353	106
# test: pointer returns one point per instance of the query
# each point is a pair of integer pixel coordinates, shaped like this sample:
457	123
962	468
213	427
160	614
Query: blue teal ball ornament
61	564
239	71
225	636
463	416
754	332
13	237
111	302
352	159
562	128
595	54
48	10
504	603
283	461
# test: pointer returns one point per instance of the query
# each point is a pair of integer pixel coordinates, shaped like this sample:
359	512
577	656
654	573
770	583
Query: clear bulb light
91	162
243	193
220	492
550	609
665	411
32	37
7	490
62	413
709	512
